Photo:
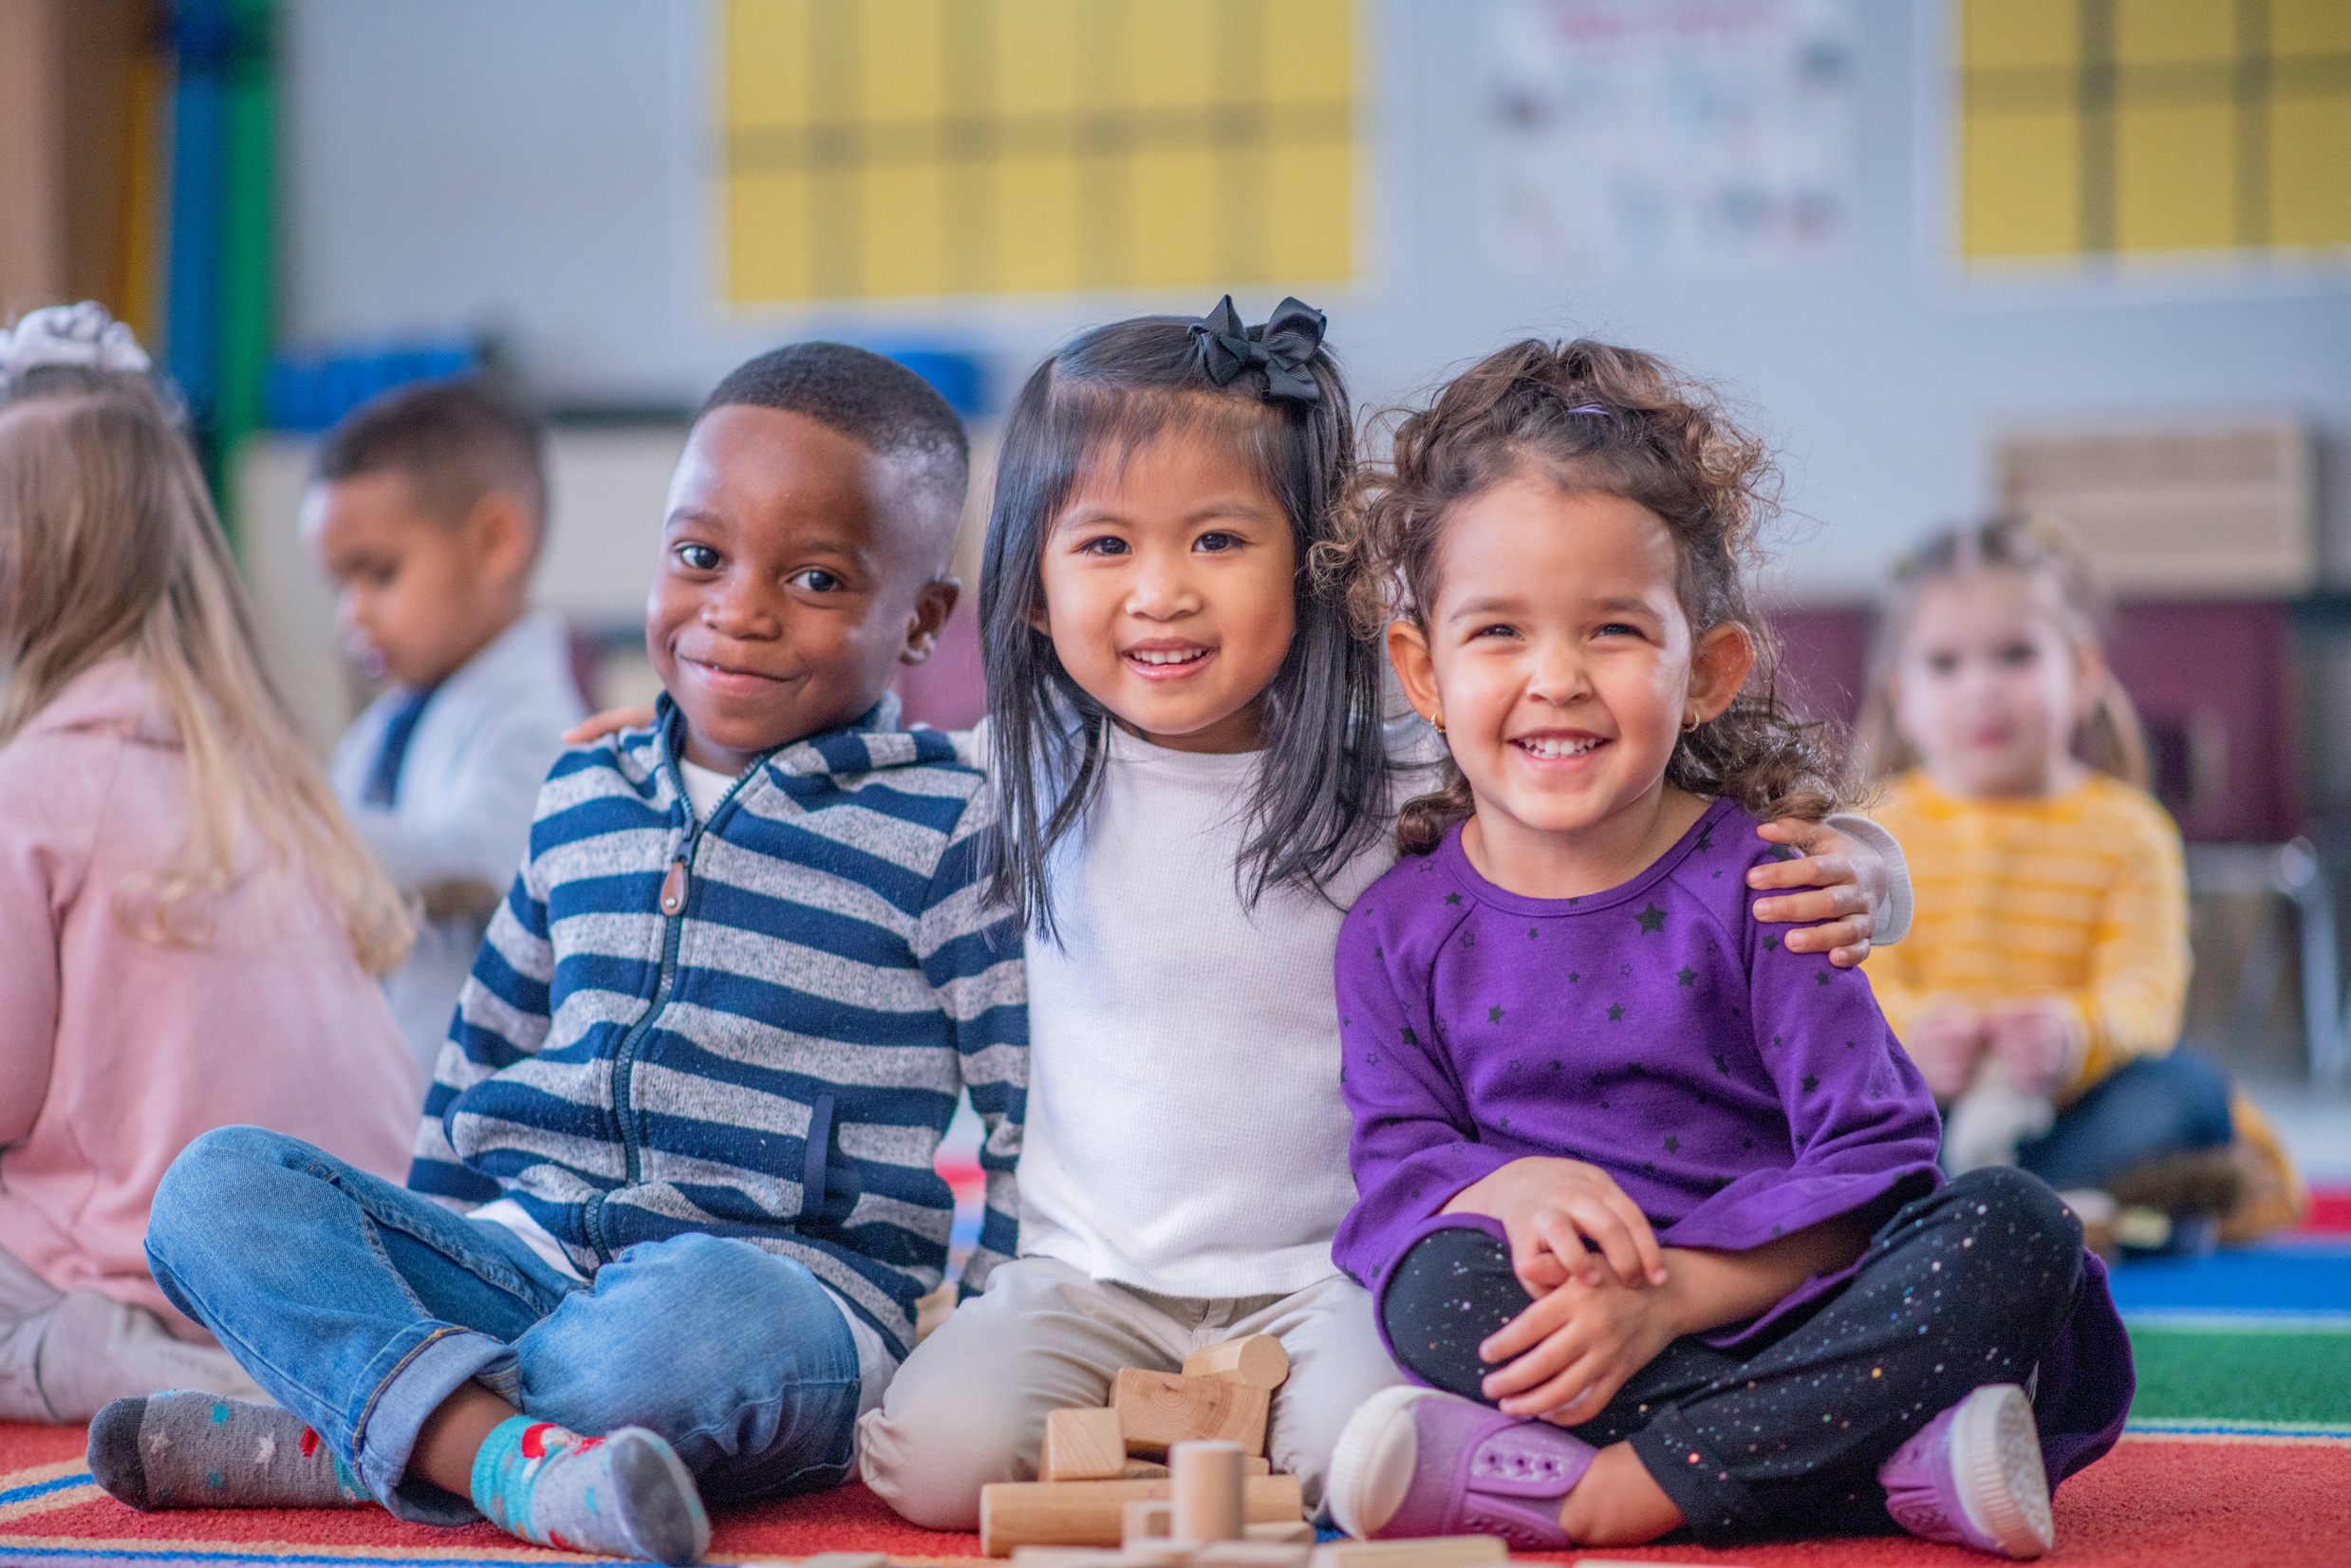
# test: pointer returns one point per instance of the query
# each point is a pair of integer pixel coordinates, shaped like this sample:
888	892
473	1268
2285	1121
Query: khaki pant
66	1354
969	1406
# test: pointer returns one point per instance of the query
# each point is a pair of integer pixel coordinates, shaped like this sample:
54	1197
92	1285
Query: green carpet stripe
2300	1376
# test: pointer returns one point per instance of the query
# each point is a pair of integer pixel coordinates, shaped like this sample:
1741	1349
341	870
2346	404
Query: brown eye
698	558
815	580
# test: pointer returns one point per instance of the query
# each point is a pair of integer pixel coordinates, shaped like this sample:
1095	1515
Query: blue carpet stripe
43	1488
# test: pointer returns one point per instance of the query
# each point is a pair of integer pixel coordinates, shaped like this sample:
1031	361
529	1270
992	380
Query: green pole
247	325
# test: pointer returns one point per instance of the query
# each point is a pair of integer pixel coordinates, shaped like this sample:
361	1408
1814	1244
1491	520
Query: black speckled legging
1783	1436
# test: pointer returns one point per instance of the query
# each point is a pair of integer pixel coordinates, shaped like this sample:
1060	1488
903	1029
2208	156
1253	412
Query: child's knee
1452	1290
938	1437
2011	1240
210	1180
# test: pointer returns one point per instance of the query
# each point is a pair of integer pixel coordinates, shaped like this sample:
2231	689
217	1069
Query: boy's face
797	572
414	593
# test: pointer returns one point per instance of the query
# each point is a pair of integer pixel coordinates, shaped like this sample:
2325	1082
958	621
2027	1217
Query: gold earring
1436	721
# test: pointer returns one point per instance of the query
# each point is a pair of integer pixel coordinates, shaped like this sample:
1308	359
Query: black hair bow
1284	346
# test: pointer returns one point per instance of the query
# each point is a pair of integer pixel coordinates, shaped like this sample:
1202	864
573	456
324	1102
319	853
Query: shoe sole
1374	1457
665	1518
1995	1451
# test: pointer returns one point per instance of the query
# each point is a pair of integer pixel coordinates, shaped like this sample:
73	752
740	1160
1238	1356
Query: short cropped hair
877	402
454	441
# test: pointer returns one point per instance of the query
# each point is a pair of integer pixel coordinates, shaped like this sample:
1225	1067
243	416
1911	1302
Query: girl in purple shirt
1648	1201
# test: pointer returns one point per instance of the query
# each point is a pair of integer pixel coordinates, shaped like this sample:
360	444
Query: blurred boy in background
427	509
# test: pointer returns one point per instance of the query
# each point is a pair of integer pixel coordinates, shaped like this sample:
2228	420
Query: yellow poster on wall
2136	128
923	148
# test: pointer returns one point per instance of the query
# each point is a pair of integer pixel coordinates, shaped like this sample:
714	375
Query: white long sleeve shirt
468	788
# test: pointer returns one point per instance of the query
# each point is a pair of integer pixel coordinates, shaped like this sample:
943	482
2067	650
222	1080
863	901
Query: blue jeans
362	1306
2146	1108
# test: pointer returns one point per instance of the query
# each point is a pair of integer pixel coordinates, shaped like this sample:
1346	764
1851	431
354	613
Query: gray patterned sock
199	1450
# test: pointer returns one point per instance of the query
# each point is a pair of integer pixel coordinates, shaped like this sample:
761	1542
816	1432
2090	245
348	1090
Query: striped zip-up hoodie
756	1026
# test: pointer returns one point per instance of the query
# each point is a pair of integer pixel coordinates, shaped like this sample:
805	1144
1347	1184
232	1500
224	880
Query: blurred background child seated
2040	989
192	932
427	509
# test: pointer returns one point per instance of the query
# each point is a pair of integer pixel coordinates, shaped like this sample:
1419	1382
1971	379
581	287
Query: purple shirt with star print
1735	1090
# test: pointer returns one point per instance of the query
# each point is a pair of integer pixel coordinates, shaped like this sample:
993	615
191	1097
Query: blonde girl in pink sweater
189	933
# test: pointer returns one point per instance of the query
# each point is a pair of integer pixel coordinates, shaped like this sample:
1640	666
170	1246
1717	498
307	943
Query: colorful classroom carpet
2239	1454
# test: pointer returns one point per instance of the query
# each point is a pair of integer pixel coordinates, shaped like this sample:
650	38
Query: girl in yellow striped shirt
2040	989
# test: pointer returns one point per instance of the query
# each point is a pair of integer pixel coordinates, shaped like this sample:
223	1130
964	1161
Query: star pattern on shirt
1652	919
1706	837
1573	976
1822	979
1411	1039
1722	1063
1615	1013
1782	851
1687	975
1810	1083
1469	938
1494	1015
1673	1144
1453	898
1770	942
1530	933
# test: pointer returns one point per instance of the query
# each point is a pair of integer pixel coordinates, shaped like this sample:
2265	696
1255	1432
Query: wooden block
1258	1554
1078	1556
1207	1478
1090	1513
1287	1533
1082	1445
1431	1552
1150	1469
1257	1359
1146	1520
1158	1409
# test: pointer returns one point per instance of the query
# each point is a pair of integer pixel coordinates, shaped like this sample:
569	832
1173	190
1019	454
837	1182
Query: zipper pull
672	888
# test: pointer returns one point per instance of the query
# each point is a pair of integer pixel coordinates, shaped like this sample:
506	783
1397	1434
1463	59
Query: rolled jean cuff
1718	1509
420	1376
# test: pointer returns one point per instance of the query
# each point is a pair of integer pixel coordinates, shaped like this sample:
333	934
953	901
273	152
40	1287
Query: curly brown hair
1591	417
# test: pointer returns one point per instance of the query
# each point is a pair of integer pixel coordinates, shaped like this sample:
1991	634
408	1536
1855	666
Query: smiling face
1169	591
797	572
1558	656
1989	688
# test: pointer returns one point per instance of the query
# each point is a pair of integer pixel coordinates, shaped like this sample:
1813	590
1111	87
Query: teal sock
627	1494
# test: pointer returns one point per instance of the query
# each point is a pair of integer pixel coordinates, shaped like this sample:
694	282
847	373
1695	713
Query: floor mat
2240	1452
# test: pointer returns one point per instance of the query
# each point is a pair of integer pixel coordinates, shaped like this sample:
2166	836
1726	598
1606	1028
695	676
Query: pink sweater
113	1051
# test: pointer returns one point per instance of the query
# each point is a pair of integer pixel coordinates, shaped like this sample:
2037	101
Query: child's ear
1407	649
933	604
1718	667
2090	677
505	538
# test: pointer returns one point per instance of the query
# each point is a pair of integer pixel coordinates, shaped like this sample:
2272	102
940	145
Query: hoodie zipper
676	886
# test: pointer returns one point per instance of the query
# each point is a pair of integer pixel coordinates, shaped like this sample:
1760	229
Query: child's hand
1550	1209
2033	1041
612	721
1573	1348
1848	889
1945	1046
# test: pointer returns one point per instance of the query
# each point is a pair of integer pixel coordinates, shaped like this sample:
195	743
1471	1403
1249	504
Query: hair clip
1285	346
83	335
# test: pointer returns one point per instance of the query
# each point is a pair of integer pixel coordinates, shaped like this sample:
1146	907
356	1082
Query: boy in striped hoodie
672	1202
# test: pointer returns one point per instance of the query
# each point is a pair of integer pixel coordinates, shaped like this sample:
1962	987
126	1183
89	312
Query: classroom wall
530	169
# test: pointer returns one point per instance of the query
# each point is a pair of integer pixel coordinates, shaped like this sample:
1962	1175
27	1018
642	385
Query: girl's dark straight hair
1320	793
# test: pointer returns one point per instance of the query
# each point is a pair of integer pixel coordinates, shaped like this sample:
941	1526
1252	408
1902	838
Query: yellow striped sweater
2079	896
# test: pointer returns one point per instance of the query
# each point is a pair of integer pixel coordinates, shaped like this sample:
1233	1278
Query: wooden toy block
1257	1359
1082	1446
1091	1513
1258	1554
1208	1482
1150	1469
1158	1409
1081	1557
1147	1520
1286	1533
1431	1552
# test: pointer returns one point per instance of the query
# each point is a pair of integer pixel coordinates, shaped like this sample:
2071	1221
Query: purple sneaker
1973	1477
1415	1462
